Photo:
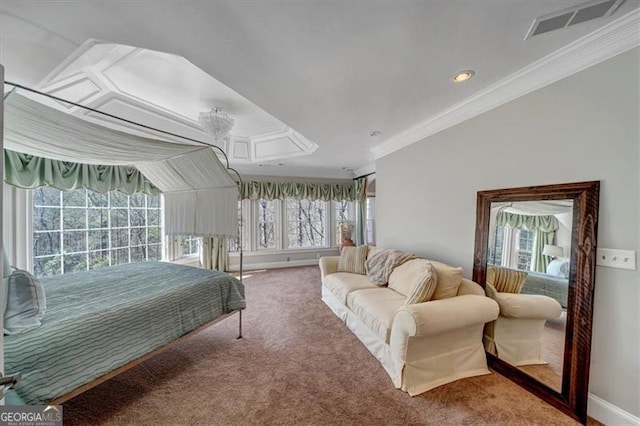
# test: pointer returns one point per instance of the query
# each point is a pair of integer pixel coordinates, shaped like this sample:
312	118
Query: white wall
585	127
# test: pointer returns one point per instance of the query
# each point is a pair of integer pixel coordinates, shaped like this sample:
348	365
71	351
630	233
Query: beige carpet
297	364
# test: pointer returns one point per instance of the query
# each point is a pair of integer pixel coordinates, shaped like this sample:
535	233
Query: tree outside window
306	221
82	229
266	224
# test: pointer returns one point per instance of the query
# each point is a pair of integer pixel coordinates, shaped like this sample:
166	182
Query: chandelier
216	123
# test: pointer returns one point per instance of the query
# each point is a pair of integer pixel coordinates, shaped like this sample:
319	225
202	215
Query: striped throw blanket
380	265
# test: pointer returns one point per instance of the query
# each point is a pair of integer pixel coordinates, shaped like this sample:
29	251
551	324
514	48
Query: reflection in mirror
528	255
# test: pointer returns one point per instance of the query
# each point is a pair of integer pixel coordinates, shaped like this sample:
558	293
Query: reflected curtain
361	209
544	228
254	190
29	172
539	261
214	253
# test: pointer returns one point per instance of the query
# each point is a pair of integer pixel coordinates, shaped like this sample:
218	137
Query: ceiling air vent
573	15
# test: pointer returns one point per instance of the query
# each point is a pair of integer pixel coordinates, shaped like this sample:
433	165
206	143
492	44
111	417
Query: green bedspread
97	321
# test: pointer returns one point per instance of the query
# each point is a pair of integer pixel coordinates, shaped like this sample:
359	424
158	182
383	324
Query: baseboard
609	414
275	265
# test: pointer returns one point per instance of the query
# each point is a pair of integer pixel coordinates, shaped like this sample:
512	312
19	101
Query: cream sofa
421	346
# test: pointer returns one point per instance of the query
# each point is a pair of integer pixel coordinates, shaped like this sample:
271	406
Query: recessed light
463	76
375	133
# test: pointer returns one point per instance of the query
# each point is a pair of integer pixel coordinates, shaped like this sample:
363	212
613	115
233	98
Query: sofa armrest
328	265
528	306
441	316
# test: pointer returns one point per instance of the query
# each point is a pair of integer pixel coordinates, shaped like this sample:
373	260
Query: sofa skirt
369	339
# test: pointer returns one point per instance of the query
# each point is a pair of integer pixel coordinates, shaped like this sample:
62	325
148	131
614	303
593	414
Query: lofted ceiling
333	71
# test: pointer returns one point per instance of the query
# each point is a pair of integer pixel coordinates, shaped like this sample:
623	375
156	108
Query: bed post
240	324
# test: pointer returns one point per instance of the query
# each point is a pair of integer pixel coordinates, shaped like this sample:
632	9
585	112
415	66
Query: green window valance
545	223
28	172
254	190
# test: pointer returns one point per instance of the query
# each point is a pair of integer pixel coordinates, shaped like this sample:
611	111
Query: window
291	224
513	248
306	223
343	213
524	248
234	243
369	227
266	224
80	230
189	246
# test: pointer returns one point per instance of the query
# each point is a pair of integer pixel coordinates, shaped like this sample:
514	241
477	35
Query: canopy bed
99	323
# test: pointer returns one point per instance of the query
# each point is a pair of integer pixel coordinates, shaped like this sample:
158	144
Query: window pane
155	251
97	200
46	196
119	238
74	241
75	262
138	236
306	223
136	200
98	218
47	266
74	218
189	246
119	256
46	243
153	202
99	240
98	259
153	216
138	254
119	218
137	217
46	218
118	199
154	235
74	198
266	224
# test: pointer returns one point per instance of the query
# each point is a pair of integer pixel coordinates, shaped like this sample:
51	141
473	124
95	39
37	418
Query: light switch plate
612	258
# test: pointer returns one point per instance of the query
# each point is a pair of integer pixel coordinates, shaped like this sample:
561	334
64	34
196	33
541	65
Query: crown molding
604	43
365	170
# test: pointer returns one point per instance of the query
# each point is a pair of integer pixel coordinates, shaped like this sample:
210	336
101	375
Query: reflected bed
101	321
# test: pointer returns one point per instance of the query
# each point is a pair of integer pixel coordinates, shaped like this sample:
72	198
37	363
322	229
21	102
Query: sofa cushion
352	259
449	280
403	276
376	308
340	284
506	280
423	287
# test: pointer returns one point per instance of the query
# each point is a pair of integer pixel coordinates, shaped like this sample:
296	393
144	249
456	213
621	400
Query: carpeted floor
297	364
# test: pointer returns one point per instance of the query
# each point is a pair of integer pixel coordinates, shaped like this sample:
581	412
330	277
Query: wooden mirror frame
572	400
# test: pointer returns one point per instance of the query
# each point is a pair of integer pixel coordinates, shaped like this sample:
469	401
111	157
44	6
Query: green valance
545	223
254	190
28	172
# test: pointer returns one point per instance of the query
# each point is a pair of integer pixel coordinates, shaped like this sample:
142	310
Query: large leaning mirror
535	255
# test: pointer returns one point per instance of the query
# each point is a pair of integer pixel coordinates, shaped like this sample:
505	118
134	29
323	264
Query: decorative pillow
352	259
26	303
423	287
506	280
449	280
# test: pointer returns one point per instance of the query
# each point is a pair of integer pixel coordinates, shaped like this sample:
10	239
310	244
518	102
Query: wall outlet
612	258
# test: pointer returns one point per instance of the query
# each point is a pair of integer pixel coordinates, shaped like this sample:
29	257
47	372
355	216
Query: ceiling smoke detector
574	15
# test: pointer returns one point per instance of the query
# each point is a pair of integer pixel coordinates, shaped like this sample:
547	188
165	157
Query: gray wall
584	127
